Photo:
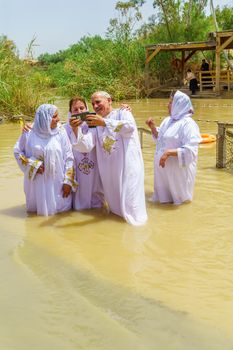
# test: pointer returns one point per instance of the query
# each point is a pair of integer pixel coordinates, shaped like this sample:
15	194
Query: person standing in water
119	157
45	156
175	159
90	191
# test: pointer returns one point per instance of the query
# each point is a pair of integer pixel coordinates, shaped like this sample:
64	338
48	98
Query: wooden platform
208	93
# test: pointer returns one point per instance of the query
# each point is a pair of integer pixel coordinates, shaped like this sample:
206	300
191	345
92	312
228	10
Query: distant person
175	160
119	157
205	65
44	154
206	77
192	80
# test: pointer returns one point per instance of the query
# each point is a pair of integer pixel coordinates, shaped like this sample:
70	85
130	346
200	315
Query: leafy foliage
21	88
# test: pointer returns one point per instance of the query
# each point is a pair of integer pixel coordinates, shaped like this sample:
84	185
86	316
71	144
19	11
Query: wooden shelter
217	41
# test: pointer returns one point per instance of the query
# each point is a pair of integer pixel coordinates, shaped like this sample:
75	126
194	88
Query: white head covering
42	128
181	106
42	121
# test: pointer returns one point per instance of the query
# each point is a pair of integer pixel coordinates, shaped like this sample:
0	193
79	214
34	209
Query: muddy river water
87	280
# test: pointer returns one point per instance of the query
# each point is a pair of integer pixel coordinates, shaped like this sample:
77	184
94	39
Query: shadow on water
92	216
17	211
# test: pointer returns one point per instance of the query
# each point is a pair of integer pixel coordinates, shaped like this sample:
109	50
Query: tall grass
21	88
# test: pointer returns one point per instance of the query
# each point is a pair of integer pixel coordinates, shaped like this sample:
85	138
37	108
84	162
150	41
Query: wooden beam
225	44
154	53
225	34
190	55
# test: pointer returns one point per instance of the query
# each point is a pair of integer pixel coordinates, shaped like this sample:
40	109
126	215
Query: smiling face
55	120
102	105
78	106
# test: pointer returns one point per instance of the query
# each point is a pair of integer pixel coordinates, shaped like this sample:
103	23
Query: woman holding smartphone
90	192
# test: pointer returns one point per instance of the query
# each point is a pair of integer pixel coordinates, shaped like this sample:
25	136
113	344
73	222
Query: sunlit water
87	280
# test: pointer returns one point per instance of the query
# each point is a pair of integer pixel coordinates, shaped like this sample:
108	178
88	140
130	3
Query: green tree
122	27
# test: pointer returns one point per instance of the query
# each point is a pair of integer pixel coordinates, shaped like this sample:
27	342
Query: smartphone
82	115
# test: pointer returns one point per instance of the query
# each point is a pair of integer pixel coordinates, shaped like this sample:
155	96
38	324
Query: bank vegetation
114	62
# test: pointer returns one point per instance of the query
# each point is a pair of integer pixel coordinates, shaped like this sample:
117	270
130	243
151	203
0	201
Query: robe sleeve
125	124
69	171
191	138
84	142
29	165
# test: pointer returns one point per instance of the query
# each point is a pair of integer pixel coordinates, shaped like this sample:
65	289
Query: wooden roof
225	37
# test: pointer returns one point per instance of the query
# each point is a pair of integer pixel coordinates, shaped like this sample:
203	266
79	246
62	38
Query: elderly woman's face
78	107
55	120
101	105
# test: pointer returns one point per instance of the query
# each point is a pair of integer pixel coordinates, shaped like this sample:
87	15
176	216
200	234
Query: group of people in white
98	162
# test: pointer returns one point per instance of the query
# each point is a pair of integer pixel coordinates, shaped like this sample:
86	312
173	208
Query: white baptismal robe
120	164
175	182
90	190
44	191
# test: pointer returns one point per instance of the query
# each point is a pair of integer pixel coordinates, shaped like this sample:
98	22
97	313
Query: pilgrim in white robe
44	191
90	190
120	164
175	182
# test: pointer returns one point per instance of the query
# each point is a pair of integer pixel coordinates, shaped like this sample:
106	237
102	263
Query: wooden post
200	80
183	65
228	80
221	146
217	62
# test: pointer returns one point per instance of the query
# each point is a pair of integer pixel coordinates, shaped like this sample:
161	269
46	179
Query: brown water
90	281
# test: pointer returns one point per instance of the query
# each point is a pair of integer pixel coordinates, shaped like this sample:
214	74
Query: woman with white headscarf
175	160
45	156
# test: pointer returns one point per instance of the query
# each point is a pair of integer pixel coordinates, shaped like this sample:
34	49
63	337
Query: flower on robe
108	143
118	127
86	165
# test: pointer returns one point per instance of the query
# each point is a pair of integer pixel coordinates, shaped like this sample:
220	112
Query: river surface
88	280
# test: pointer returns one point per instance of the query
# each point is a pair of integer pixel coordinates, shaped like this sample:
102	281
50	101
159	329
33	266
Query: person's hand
27	127
75	122
40	170
163	159
66	190
95	120
150	122
126	107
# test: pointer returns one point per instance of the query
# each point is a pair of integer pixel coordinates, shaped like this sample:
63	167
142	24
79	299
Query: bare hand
150	122
163	159
40	170
66	190
75	122
95	120
27	127
126	107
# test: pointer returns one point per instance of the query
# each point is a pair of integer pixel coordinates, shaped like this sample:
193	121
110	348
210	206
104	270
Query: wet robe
44	191
90	191
175	182
120	164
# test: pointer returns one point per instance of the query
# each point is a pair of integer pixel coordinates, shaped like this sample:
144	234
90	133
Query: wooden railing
221	149
207	79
